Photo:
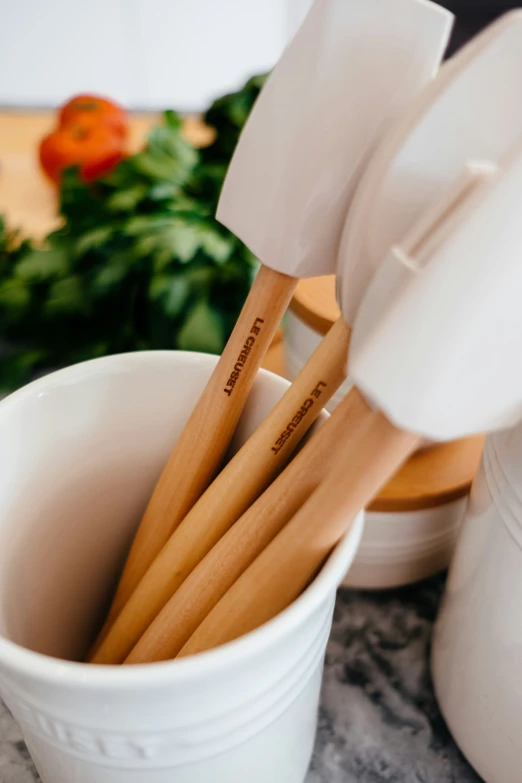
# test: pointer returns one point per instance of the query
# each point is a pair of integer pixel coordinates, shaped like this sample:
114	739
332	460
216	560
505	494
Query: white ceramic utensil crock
80	451
477	648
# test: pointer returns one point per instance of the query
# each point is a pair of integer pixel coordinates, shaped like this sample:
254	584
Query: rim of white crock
55	670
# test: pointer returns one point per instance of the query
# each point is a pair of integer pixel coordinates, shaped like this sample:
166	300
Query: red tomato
83	108
96	149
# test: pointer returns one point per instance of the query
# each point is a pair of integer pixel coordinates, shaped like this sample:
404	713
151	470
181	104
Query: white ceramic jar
477	647
411	536
80	451
402	547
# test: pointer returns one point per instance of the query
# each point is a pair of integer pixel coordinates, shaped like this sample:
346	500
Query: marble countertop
378	722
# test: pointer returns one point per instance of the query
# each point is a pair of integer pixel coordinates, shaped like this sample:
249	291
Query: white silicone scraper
353	65
455	318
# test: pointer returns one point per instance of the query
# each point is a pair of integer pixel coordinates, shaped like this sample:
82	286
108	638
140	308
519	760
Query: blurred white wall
148	54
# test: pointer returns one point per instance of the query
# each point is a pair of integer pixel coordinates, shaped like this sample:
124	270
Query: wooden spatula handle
247	538
367	460
230	494
201	446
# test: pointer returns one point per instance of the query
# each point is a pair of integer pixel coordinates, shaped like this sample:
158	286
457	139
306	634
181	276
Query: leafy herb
139	261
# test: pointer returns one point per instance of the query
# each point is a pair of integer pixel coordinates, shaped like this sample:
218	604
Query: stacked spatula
359	158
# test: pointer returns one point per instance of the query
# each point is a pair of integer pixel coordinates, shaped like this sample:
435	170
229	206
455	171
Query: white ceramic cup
80	451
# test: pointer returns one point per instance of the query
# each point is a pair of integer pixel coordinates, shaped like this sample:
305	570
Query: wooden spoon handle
200	449
276	578
247	538
230	494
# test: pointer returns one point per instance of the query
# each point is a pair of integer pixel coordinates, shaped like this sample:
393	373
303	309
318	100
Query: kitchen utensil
352	67
465	248
459	98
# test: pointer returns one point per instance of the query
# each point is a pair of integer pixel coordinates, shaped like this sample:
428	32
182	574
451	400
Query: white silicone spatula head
442	358
352	67
472	110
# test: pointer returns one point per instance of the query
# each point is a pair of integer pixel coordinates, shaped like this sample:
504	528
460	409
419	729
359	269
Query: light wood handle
366	461
231	493
238	548
200	449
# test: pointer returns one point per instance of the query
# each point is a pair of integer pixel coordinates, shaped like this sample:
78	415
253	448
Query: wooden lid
433	476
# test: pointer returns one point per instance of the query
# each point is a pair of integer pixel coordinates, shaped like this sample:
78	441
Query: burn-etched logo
243	356
298	417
